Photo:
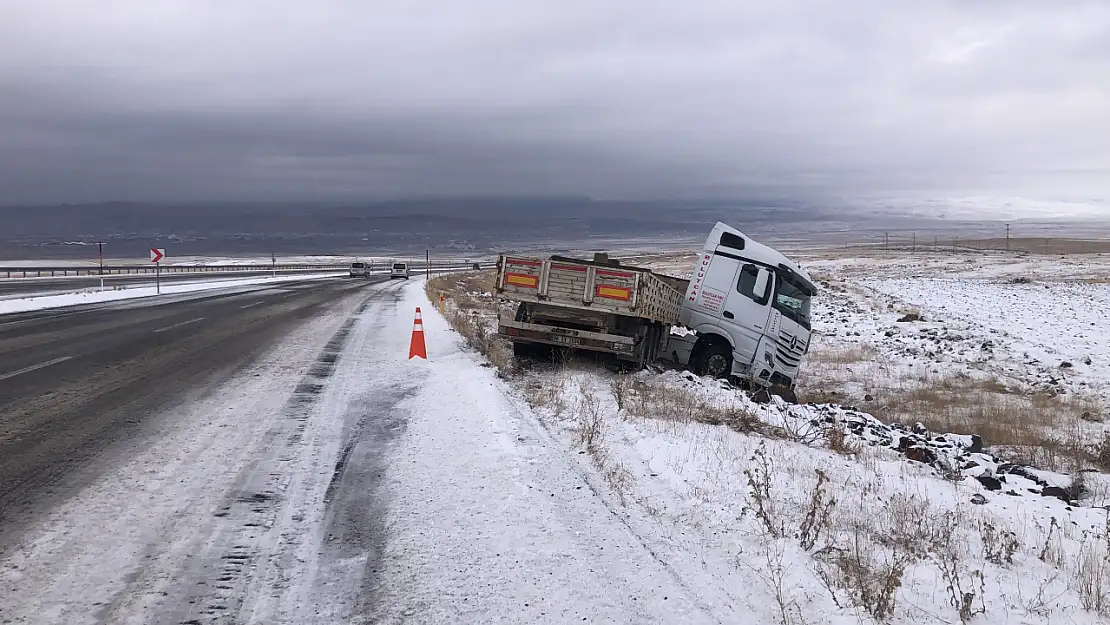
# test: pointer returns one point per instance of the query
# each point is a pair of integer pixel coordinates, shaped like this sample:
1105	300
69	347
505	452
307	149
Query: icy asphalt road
271	457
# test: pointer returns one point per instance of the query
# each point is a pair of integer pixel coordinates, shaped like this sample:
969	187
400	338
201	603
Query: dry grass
821	355
1041	429
647	401
471	309
1050	431
464	290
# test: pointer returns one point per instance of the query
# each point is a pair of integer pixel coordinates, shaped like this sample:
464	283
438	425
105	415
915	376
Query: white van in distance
359	270
399	270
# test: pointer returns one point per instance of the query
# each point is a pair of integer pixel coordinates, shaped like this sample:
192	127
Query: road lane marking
31	319
178	325
251	305
35	367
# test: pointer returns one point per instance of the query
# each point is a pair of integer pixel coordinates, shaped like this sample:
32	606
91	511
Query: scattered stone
910	318
978	499
919	429
1062	494
1090	416
990	482
1066	365
976	444
868	398
890	332
924	455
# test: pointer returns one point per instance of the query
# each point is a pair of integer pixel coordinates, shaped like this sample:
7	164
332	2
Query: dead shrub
622	390
999	545
1092	579
816	522
868	573
839	442
589	419
760	478
949	551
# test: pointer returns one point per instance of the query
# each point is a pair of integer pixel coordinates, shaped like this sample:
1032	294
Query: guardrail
112	270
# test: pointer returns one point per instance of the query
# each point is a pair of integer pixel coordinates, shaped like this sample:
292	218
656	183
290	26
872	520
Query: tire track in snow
221	577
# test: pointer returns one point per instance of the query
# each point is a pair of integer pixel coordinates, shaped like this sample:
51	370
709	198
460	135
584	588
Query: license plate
566	340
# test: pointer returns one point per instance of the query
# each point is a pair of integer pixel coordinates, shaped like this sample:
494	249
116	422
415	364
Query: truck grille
787	356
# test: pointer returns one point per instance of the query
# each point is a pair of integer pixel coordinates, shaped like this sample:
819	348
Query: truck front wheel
714	359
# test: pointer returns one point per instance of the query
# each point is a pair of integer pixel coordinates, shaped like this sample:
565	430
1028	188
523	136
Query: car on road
359	270
399	270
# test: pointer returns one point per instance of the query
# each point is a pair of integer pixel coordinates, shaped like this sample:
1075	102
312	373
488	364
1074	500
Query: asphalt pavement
75	380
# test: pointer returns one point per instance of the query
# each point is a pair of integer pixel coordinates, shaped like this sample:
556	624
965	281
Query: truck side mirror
762	282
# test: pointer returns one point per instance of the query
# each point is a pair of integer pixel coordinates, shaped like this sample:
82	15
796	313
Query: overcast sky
304	99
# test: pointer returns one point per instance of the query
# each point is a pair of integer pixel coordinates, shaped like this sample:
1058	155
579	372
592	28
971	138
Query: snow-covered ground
826	514
115	293
336	481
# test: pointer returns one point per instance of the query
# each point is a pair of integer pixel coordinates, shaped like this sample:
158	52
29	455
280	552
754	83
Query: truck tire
713	359
521	313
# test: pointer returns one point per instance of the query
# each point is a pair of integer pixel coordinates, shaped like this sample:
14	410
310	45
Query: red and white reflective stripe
418	326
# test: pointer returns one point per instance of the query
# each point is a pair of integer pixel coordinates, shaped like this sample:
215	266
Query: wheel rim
716	365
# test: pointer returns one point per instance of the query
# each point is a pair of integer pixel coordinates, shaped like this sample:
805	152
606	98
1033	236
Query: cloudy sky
245	99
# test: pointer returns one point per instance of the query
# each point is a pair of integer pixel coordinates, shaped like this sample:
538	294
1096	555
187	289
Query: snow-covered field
821	513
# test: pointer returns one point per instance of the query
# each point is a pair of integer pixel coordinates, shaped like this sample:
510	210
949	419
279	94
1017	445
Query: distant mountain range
481	225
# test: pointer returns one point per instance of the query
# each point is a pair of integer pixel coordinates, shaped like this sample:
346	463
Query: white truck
745	312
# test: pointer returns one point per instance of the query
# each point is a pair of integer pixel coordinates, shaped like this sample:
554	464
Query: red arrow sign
156	254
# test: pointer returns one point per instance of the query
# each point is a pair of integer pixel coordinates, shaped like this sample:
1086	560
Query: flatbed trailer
597	305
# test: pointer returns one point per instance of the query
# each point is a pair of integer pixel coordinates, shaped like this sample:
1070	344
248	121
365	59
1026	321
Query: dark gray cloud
195	99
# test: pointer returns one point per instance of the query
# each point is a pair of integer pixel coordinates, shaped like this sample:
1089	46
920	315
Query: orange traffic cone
416	346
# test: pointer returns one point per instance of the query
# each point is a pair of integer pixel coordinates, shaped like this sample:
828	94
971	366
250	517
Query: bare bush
760	476
589	419
838	442
1092	579
622	390
999	545
870	574
949	551
816	522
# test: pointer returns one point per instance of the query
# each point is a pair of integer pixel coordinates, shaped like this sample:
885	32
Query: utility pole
101	246
913	249
273	263
954	239
427	264
1007	237
886	241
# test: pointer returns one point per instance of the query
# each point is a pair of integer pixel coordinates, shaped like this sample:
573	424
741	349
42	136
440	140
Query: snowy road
324	479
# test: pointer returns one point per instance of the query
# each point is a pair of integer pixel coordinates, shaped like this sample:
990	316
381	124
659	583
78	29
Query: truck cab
750	308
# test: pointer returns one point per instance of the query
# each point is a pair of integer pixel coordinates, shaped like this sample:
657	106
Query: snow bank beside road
59	300
491	521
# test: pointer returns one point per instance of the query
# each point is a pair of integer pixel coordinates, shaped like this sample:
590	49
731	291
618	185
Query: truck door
747	308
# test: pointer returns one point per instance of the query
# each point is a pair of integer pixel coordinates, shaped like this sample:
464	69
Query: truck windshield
400	266
357	266
792	300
